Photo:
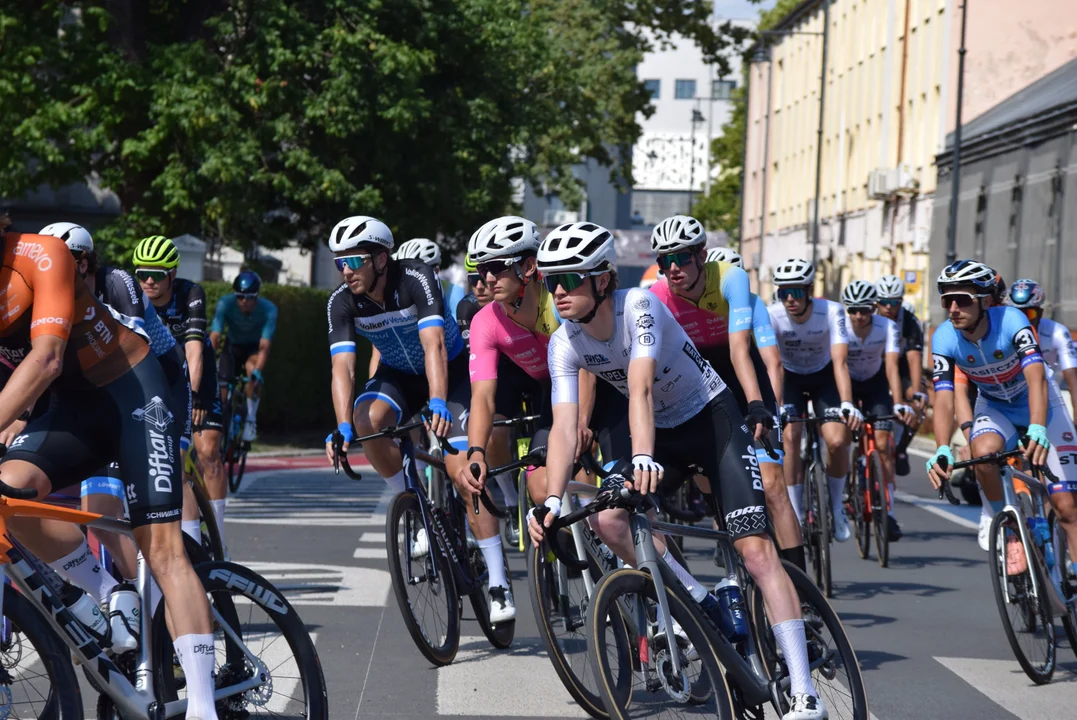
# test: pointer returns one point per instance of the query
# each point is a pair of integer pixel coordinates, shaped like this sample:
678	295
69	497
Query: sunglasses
246	296
861	310
569	280
496	267
1033	313
797	293
963	300
681	258
474	279
353	262
890	303
155	275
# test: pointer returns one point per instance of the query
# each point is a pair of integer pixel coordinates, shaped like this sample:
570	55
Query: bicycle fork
647	559
1013	507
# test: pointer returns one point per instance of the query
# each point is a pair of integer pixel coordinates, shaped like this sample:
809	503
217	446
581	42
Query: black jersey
185	313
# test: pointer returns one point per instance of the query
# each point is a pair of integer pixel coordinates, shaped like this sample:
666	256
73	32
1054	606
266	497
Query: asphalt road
926	629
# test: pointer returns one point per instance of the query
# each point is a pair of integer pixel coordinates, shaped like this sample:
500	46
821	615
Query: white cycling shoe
420	546
841	526
806	707
502	608
984	535
250	431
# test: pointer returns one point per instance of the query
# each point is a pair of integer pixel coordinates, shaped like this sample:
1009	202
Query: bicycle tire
1041	675
825	529
444	653
860	510
810	595
1069	593
63	701
211	535
502	635
880	517
605	604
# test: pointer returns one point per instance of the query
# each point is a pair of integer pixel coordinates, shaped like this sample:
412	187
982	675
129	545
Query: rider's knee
836	441
758	554
610	523
1065	505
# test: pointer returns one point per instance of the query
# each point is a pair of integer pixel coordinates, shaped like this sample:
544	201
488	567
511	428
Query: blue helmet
247	282
1026	293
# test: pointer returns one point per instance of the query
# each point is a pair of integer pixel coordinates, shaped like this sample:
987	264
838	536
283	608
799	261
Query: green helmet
469	264
157	251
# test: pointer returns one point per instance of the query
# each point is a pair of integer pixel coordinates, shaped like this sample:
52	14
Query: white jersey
805	347
643	327
1056	345
866	356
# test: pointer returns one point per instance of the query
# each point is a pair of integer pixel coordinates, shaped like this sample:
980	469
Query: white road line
370	553
935	507
1005	684
372	537
327	585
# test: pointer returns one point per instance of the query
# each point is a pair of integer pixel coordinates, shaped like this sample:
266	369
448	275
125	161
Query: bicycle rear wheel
879	514
699	691
500	635
1026	614
1069	592
431	608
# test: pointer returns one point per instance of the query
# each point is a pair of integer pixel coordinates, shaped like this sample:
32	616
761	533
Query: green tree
268	121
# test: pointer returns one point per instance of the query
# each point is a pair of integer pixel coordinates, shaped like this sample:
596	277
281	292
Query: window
654	87
685	89
723	89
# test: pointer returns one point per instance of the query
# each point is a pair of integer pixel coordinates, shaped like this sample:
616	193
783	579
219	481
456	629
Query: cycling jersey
494	333
866	355
185	313
912	338
245	328
805	347
453	294
1056	345
724	307
995	363
643	328
41	294
117	289
465	313
413	301
762	329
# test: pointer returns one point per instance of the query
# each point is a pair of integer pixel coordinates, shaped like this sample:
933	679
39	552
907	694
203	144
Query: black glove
196	402
758	415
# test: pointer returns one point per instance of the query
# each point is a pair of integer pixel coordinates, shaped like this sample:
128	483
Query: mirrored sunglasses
681	258
353	262
797	293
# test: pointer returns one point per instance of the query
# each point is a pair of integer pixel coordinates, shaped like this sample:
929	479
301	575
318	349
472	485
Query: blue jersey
996	363
453	294
762	330
245	329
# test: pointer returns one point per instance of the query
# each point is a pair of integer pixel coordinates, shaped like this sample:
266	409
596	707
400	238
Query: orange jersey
42	294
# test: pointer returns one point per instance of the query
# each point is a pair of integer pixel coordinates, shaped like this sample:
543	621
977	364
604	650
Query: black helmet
247	282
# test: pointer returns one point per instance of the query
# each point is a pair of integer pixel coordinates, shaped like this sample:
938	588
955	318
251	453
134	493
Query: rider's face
888	309
795	302
246	303
505	285
574	304
484	294
859	317
963	307
681	269
360	280
153	284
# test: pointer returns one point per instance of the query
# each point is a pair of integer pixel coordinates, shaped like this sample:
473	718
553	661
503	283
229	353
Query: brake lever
944	489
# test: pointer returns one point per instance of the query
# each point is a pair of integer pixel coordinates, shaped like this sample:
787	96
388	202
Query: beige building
891	86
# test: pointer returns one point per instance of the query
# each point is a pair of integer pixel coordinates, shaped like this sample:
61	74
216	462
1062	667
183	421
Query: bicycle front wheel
1069	591
211	535
698	690
861	509
880	515
500	635
820	528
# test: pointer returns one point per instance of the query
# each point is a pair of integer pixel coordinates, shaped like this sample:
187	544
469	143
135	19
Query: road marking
372	537
327	585
941	508
308	498
370	553
1005	684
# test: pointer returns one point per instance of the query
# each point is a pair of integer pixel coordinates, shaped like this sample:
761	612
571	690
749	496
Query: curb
285	453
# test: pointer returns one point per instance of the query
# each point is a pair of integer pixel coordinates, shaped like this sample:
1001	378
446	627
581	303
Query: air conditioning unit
901	181
877	184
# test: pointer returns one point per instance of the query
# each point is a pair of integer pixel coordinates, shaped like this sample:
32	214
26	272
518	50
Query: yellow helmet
469	265
157	251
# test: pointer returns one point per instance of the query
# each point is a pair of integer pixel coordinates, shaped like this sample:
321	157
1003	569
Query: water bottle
731	602
124	614
1041	531
83	607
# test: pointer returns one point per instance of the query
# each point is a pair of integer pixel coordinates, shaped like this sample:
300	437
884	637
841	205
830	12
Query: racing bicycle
869	494
234	448
818	526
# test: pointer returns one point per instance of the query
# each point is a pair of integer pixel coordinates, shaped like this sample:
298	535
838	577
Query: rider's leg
792	468
208	442
191	523
884	446
254	394
837	438
1060	433
383	453
987	473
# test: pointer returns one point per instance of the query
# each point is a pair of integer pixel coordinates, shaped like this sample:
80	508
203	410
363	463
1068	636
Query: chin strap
523	288
699	276
598	302
803	312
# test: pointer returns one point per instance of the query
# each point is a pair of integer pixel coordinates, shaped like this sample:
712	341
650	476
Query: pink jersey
494	334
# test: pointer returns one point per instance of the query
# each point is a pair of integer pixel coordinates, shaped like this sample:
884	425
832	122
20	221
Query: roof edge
796	14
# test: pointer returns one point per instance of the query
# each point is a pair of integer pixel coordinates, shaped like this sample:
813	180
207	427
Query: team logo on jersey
643	304
645	322
596	359
614	376
646	339
1067	436
999	354
941	364
155	413
971	359
1025	339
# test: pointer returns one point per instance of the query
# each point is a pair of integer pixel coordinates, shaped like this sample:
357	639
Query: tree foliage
268	121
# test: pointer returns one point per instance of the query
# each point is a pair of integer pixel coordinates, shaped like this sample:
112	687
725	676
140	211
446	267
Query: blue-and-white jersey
413	301
124	298
762	330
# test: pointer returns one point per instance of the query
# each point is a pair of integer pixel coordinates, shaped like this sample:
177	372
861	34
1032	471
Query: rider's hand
345	429
919	401
441	420
466	480
1037	444
785	413
853	418
198	412
935	473
647	474
758	419
258	377
537	530
585	436
11	432
904	412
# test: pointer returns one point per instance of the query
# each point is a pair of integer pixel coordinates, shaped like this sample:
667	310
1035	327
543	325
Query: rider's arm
192	349
423	289
1066	352
772	358
839	350
195	337
564	397
588	390
342	352
962	406
945	370
263	355
914	353
735	289
41	366
266	340
343	384
641	372
767	344
893	375
437	360
217	326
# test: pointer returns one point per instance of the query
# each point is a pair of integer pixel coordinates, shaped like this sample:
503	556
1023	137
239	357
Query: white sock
396	482
155	590
218	515
985	506
837	490
197	658
193	528
80	567
890	500
791	639
252	409
508	489
495	562
796	498
696	589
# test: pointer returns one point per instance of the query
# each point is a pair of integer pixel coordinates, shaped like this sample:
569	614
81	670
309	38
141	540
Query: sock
791	639
218	514
796	556
796	498
696	589
837	490
197	658
508	489
890	499
396	482
193	528
985	506
80	567
495	561
252	409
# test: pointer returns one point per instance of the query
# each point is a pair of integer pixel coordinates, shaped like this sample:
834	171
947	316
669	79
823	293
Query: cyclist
713	303
105	406
1056	344
891	292
814	344
181	306
687	414
478	297
430	253
874	349
996	348
251	321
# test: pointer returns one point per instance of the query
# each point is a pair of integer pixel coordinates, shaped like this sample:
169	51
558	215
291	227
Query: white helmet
677	233
859	293
77	237
358	230
420	249
580	246
793	272
890	287
967	272
503	237
724	254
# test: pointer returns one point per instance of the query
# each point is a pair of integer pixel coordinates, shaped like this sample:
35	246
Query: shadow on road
936	535
874	659
865	590
918	562
865	620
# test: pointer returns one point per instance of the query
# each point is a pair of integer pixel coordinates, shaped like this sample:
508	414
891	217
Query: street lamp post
955	182
819	141
697	119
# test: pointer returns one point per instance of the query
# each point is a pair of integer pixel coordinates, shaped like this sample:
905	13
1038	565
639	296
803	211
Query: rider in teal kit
251	322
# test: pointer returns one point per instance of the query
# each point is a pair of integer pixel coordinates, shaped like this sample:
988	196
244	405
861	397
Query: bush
298	378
